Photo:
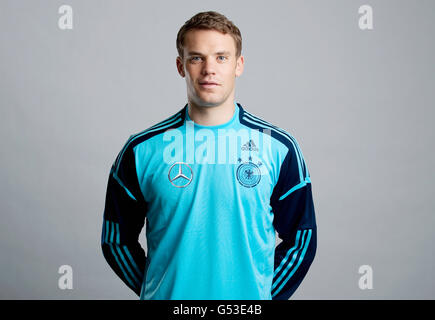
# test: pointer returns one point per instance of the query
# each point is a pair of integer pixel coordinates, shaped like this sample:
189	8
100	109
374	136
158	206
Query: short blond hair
209	20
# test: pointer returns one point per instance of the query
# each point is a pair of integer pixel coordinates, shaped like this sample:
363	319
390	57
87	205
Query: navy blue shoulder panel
174	121
124	167
275	132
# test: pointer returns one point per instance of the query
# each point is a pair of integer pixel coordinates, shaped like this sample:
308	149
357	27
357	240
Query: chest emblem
180	174
248	173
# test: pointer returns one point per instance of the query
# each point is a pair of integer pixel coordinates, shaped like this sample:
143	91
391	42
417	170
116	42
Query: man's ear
180	66
240	65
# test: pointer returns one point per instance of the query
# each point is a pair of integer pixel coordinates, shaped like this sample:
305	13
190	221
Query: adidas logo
249	146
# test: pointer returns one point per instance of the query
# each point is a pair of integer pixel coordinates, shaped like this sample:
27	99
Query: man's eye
223	58
195	58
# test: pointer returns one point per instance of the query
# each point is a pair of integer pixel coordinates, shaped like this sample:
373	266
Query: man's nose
209	65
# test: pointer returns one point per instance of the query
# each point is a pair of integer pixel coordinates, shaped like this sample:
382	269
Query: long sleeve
294	220
124	218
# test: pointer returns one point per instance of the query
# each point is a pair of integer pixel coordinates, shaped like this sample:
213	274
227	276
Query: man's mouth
208	84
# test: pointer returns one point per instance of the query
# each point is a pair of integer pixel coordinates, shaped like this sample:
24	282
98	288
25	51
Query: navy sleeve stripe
122	268
288	272
115	176
284	260
130	257
112	239
296	187
127	252
115	234
111	226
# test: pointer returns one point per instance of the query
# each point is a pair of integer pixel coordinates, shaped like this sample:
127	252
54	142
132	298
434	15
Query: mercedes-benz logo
180	180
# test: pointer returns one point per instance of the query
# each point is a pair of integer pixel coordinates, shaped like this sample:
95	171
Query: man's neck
211	116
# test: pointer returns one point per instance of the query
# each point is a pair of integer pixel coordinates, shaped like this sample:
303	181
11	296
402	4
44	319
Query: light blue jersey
213	197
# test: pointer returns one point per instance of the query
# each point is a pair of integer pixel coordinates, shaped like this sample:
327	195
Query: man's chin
209	103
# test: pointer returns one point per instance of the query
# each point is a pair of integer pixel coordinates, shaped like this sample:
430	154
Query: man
214	183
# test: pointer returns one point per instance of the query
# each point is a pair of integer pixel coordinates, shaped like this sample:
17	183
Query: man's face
210	67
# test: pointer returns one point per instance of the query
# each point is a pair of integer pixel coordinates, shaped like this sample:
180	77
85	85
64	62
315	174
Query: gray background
359	102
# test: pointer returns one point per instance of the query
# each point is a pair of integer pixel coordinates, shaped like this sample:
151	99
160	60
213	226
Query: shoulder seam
135	139
279	134
250	121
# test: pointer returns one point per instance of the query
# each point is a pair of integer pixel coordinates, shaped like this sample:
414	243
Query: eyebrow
191	53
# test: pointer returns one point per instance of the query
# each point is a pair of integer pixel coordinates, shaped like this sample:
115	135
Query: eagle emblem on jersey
248	173
180	174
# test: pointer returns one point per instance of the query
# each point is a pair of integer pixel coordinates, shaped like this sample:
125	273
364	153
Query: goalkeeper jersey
212	199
